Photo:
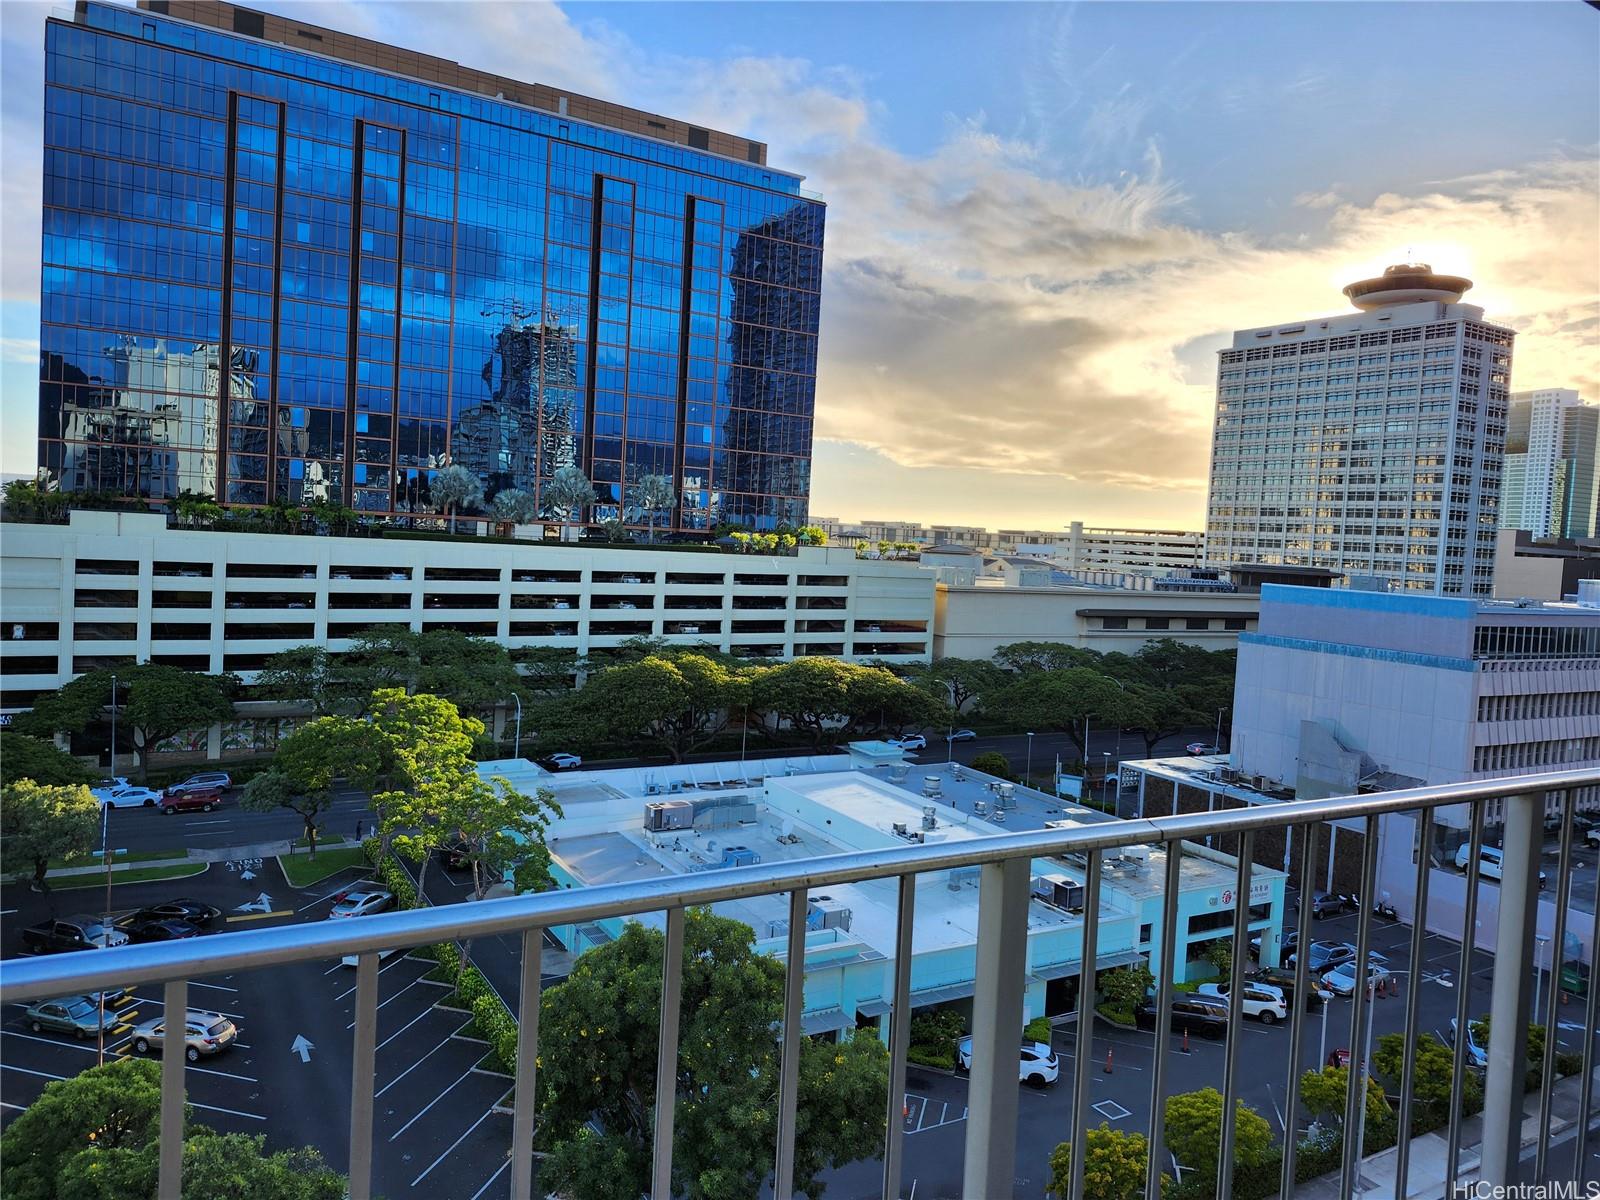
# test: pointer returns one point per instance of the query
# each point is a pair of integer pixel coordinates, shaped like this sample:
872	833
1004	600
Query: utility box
824	912
665	816
739	856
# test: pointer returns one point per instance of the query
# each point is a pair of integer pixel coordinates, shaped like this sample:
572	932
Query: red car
195	799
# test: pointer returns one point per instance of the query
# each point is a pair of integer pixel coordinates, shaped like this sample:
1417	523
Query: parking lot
440	1130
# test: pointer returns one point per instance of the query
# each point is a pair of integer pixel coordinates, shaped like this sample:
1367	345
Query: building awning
1171	614
1103	962
941	995
824	1020
873	1008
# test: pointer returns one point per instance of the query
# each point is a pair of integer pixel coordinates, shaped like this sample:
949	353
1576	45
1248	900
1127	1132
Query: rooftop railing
1004	894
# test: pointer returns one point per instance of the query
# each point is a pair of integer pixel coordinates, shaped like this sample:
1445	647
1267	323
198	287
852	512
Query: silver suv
204	1033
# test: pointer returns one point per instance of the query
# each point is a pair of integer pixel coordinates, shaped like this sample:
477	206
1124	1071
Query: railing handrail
65	974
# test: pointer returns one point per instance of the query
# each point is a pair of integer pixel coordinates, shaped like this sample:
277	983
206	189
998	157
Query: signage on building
1128	779
1070	786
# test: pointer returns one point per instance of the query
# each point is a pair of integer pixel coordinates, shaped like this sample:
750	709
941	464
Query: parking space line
412	1067
232	1112
220	1012
488	1183
223	1074
24	1108
399	958
392	998
464	1075
402	1029
486	1115
215	987
29	1071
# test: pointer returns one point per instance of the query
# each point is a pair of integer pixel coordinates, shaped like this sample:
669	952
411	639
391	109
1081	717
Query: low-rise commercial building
644	823
1529	567
113	587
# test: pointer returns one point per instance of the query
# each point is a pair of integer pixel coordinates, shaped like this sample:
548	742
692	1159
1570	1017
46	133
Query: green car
77	1015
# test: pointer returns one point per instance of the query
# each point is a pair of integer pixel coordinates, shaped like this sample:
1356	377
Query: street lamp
1218	742
1029	774
1540	940
1105	776
950	736
516	746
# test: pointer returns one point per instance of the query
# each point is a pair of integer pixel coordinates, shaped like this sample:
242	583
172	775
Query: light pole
744	733
105	853
516	746
1539	942
1029	774
950	736
1105	776
1218	742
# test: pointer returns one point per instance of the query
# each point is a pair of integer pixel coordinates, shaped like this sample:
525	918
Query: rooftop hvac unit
824	912
739	856
1059	892
777	929
1138	854
930	818
900	828
661	816
931	786
1007	792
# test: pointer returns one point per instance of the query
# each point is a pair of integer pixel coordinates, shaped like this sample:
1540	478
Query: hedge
932	1056
1037	1030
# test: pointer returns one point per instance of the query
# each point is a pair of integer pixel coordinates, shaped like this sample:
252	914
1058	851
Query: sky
1045	219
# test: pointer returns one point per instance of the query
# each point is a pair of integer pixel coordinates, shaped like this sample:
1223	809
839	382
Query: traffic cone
1186	1041
1563	995
1394	986
1108	1062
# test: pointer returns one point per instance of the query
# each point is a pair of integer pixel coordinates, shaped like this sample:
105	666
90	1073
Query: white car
360	903
1262	1001
1491	862
960	735
564	761
1592	835
1036	1062
124	795
912	741
1342	979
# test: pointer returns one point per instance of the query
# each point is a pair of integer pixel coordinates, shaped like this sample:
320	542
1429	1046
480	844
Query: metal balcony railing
1004	863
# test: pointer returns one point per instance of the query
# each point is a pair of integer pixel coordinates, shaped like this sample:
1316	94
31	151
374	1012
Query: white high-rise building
1369	443
1550	484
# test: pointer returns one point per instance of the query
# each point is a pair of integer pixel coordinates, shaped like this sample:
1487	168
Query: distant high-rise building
405	263
1369	443
1550	486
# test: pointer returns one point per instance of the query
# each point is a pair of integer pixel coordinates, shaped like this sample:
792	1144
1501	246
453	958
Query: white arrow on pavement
247	874
262	903
301	1047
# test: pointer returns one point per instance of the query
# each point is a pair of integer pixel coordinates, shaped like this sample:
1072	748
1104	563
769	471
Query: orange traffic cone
1563	995
1394	986
1108	1062
1186	1041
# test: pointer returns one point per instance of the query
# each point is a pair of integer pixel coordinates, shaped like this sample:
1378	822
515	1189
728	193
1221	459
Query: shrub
1318	1153
932	1056
992	762
1569	1062
1123	988
1037	1030
936	1027
497	1028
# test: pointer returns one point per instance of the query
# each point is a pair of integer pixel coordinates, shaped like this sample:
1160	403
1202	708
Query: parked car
204	1033
1260	1000
1338	1057
1491	861
562	761
71	933
1325	955
1343	978
1477	1050
1190	1014
81	1016
126	795
169	930
912	741
1283	979
960	735
1202	748
1333	904
358	903
193	800
1036	1062
1287	944
204	781
194	912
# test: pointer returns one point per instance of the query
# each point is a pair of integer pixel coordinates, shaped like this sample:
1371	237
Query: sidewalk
1430	1152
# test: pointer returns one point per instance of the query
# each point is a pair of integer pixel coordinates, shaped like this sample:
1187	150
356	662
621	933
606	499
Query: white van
1491	861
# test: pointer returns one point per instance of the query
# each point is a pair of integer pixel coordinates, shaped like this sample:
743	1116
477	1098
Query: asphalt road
440	1131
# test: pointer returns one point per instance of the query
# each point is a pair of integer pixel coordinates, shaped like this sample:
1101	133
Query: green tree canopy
1113	1170
1044	656
827	698
39	822
304	675
1432	1079
598	1042
679	702
1194	1132
311	760
1068	698
1323	1093
428	768
95	1136
968	680
24	757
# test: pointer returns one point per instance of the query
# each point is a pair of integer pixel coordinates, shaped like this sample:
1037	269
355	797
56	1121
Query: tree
1112	1170
1323	1093
1124	988
1024	657
199	509
473	673
546	669
567	493
992	762
34	499
499	825
154	703
653	494
95	1136
812	535
303	675
24	757
964	680
39	822
598	1041
1157	712
680	701
1067	698
1194	1132
454	488
1219	953
1432	1080
309	762
513	506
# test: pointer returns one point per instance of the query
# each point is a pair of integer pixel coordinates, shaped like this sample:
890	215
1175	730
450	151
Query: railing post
1509	1001
169	1181
526	1103
990	1167
794	984
667	1057
899	1039
1088	956
362	1074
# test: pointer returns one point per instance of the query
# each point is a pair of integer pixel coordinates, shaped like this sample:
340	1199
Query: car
193	800
1342	979
1190	1014
1202	748
358	902
1338	1057
195	912
1477	1050
960	735
204	1033
81	1016
1286	944
1333	904
1491	862
1325	956
562	761
1036	1063
1591	835
204	781
1261	1000
72	933
160	931
911	741
110	781
125	795
1283	979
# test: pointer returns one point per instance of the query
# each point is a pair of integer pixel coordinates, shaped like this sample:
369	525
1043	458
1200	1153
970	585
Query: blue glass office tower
283	262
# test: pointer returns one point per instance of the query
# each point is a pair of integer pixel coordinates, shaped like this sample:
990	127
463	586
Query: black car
161	931
192	911
1286	945
1283	977
1189	1015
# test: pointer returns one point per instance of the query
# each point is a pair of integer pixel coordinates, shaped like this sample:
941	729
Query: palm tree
456	487
651	494
513	506
567	492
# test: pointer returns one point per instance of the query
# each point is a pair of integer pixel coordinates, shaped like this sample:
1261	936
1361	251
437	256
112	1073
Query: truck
59	935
